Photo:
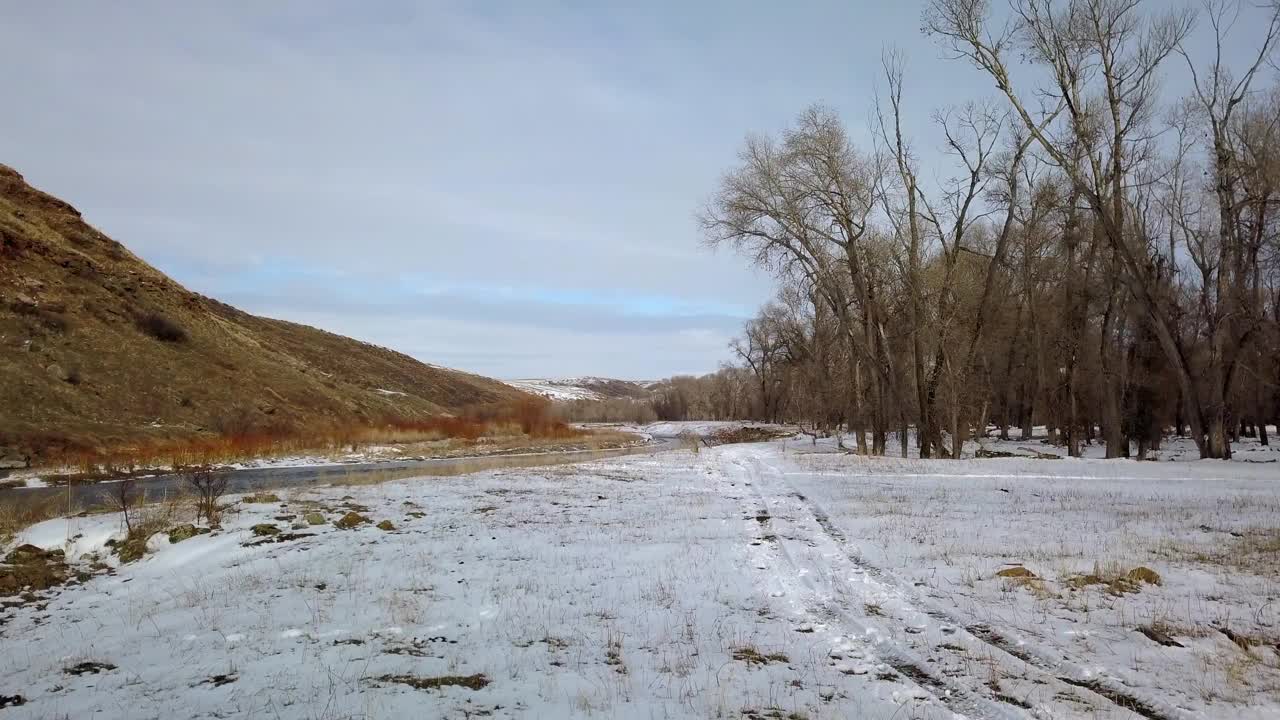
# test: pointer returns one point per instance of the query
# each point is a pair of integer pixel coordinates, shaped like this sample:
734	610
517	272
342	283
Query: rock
1017	572
265	529
299	525
1144	575
24	554
185	532
58	372
314	518
386	525
351	520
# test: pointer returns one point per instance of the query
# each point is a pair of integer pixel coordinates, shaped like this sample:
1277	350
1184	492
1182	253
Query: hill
100	349
584	388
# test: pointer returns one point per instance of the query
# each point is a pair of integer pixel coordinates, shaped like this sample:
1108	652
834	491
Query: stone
24	554
351	520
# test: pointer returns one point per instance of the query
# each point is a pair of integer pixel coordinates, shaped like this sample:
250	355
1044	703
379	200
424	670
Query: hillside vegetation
99	350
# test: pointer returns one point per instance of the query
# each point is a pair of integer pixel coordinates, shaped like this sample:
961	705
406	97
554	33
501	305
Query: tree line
1100	257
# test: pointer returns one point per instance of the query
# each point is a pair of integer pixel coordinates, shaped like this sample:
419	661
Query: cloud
508	187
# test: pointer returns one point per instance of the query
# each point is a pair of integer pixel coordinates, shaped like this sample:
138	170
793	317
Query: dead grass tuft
1144	575
15	516
751	656
262	497
471	682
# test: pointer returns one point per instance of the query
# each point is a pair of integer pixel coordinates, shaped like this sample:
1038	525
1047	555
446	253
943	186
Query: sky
503	187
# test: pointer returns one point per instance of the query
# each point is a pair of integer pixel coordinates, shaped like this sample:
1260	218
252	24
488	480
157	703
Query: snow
557	390
23	479
77	536
574	388
1174	449
705	428
384	391
741	581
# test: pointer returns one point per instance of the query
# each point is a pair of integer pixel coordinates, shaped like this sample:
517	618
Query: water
89	495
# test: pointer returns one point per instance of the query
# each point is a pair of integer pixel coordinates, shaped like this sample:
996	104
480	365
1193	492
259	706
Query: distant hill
584	388
99	348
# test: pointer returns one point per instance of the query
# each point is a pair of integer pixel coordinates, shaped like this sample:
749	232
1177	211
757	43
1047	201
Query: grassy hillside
99	349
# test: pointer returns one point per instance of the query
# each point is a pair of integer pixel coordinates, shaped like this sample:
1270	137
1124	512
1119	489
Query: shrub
161	328
209	487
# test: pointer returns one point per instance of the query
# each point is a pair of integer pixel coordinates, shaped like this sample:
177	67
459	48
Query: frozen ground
746	581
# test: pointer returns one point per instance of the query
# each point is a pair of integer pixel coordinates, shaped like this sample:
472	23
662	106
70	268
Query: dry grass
15	517
519	427
152	518
752	656
471	682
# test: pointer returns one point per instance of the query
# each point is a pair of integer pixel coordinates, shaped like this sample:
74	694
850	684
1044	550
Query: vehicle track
1055	670
834	608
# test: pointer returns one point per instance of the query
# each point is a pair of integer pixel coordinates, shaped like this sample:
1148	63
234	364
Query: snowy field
745	581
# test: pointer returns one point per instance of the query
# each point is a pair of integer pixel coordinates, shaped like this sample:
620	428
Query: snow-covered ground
705	428
555	389
745	581
577	388
1171	449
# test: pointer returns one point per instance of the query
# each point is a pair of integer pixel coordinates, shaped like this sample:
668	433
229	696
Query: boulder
351	520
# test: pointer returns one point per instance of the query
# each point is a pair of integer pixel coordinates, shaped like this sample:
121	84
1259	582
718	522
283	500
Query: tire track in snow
959	699
1050	664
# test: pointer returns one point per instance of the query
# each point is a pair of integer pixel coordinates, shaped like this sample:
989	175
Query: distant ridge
584	388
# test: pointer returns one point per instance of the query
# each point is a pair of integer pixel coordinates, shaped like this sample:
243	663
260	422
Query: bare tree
123	496
1102	59
1231	316
209	487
